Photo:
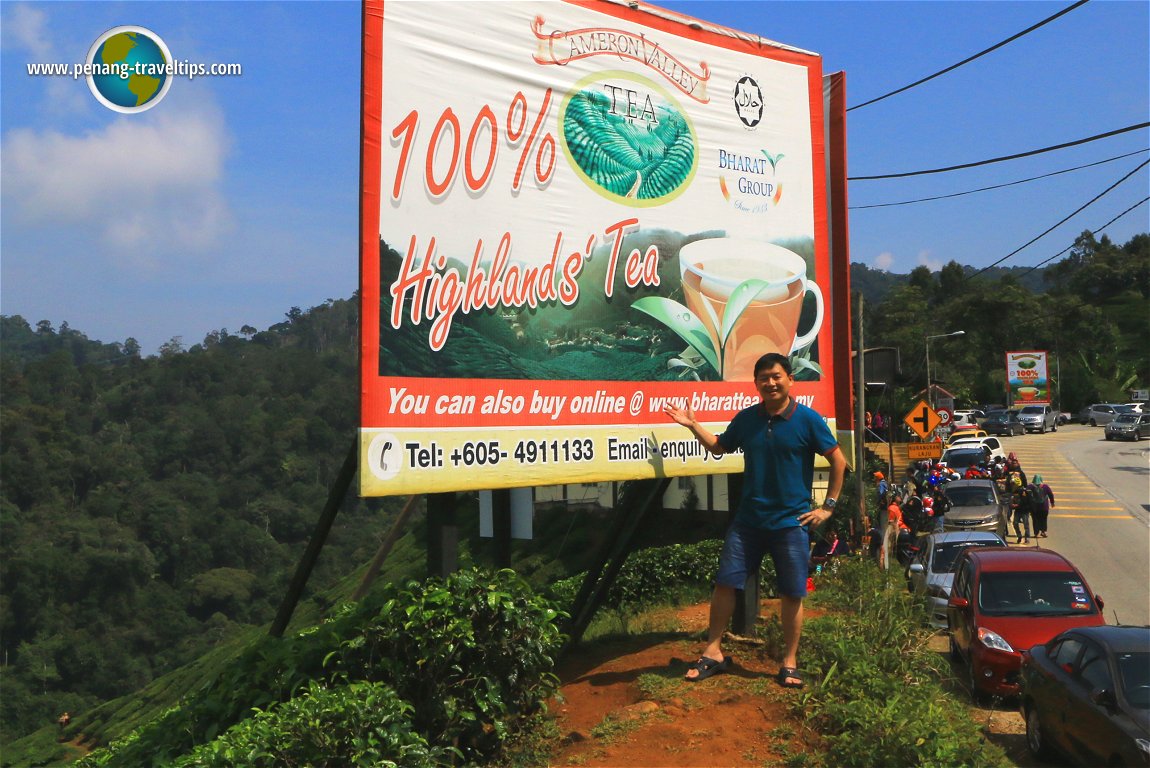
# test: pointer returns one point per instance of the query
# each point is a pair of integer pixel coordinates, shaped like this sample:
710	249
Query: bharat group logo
129	69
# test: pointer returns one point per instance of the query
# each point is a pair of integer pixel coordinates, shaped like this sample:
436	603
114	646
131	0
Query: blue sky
237	197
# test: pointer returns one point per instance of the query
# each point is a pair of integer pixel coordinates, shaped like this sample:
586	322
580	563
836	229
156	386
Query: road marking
1098	517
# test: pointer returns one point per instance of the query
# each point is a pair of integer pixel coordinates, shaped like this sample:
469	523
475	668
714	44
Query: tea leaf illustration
774	159
743	295
683	322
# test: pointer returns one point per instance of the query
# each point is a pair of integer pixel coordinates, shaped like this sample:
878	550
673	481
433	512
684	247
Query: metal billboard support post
315	544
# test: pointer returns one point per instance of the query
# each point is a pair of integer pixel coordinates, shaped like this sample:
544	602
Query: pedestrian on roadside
1042	509
779	438
1020	506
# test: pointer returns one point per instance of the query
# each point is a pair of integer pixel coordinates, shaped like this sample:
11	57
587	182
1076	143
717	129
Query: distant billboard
1026	378
572	214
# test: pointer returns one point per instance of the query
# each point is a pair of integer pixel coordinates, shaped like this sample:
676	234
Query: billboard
1026	378
574	213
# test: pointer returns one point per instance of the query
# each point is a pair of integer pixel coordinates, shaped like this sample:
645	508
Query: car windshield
1135	671
946	554
1127	418
1124	409
964	457
1032	409
971	496
1025	593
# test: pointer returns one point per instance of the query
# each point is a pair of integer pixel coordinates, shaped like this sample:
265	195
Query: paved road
1101	519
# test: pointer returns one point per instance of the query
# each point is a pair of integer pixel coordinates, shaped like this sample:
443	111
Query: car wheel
1093	423
1054	427
1042	429
1036	740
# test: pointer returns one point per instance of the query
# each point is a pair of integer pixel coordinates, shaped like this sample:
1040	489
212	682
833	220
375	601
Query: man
779	438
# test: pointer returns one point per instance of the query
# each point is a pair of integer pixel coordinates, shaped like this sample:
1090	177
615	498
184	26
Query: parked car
992	444
1129	426
1065	417
1003	423
1038	418
976	506
959	459
1137	407
1099	414
1005	601
931	572
965	433
971	418
1086	695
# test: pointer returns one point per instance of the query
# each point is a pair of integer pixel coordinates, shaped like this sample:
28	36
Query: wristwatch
829	503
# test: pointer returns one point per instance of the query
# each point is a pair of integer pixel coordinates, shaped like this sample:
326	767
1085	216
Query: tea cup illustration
763	285
1027	393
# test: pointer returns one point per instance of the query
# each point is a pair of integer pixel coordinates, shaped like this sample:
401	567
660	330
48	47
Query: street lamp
929	391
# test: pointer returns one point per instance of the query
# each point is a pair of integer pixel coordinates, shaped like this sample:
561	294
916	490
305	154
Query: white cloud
26	28
135	182
925	260
884	260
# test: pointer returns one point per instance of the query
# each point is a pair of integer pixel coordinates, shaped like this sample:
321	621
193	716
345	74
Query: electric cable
1063	221
997	186
1094	232
972	58
1003	158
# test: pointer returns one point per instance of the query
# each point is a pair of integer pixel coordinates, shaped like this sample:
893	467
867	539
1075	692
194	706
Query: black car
1004	423
1086	695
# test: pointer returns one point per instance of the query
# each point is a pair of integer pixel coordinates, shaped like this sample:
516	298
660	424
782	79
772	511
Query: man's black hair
770	360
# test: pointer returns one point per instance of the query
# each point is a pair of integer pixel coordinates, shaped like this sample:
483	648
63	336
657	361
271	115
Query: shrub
362	724
662	573
878	698
471	655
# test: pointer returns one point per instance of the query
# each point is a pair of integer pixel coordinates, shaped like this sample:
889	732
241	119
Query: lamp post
929	391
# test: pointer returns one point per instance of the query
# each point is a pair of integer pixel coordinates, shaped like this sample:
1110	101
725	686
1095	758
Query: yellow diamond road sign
922	419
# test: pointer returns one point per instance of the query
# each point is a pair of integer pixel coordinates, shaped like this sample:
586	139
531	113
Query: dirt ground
624	703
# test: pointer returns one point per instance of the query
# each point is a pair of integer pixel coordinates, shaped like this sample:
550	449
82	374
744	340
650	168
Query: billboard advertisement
1026	378
574	213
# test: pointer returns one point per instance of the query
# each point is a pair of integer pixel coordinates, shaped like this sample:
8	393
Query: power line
1048	231
996	186
972	58
1094	232
1005	157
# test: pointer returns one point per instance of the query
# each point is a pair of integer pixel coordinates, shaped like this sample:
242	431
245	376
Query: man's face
774	385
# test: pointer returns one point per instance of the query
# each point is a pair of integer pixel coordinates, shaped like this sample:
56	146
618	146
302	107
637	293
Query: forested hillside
152	507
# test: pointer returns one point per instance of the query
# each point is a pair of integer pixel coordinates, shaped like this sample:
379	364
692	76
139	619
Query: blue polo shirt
778	462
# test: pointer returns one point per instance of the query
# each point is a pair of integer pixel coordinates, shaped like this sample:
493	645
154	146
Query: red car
1005	601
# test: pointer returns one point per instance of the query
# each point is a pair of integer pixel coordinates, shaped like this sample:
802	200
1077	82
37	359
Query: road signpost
922	419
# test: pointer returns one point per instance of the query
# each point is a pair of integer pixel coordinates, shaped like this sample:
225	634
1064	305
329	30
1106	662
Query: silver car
1101	414
931	572
1129	426
975	506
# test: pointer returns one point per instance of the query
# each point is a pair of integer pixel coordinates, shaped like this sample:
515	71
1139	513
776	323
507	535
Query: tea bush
362	724
471	656
662	574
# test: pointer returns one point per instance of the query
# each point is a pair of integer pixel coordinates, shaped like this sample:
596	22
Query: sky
236	198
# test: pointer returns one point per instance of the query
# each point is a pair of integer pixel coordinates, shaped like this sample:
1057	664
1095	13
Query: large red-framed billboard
572	214
1027	378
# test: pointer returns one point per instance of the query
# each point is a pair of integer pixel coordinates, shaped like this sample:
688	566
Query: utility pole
860	427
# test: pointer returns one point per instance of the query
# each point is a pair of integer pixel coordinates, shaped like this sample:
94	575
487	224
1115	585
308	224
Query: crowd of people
919	504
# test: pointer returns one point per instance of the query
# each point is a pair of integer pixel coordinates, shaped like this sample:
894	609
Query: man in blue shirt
779	438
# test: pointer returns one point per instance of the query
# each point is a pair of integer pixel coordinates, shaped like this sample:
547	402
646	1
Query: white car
931	572
968	418
990	443
1138	406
